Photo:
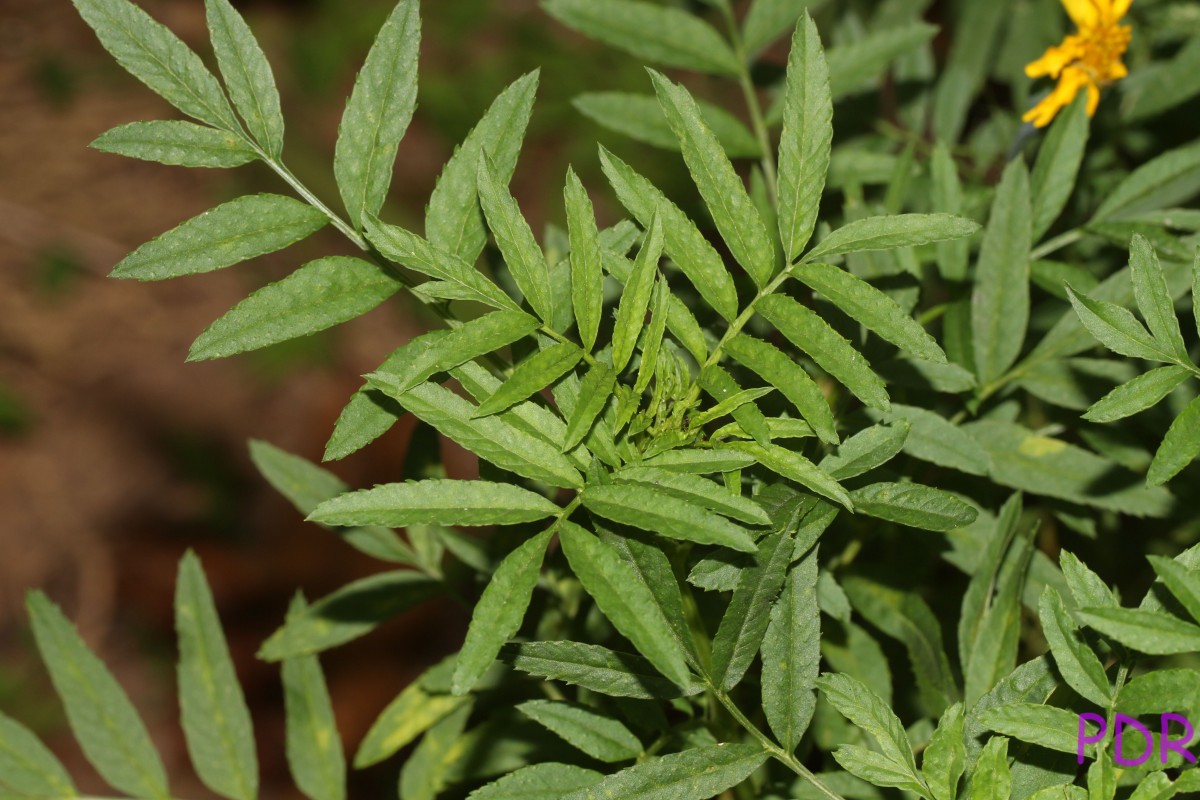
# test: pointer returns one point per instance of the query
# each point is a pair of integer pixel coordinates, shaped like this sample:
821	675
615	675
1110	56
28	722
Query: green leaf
1196	289
640	117
1045	726
525	259
500	611
413	711
594	393
992	779
869	712
1116	328
791	655
318	296
808	332
28	767
1154	298
159	59
229	234
872	308
435	502
247	75
491	438
650	341
530	376
587	274
1073	656
215	719
947	197
668	36
412	251
722	387
314	746
701	461
780	371
1086	587
1000	301
548	781
424	774
977	602
682	240
865	450
453	222
377	114
744	624
740	224
698	773
767	20
914	505
307	486
1137	395
795	467
696	490
945	758
601	737
1159	183
348	613
1152	632
597	669
635	299
934	439
806	142
976	35
1057	166
1182	582
890	233
177	143
627	604
1043	465
654	510
105	723
860	64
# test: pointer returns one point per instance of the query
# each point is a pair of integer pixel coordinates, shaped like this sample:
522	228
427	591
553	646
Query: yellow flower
1088	59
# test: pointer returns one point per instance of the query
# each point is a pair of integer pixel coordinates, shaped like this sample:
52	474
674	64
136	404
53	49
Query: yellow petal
1084	13
1055	59
1093	100
1119	8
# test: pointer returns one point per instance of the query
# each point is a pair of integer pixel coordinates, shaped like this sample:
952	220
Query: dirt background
115	455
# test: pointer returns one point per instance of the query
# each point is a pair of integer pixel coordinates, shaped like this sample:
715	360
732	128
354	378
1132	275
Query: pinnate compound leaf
597	669
314	746
872	308
1137	395
806	143
698	773
177	143
500	611
318	296
377	114
1152	632
1180	447
158	58
491	438
737	219
1057	166
808	332
668	36
791	655
601	737
640	117
104	722
453	221
890	233
525	259
1000	302
348	613
627	603
1075	660
795	467
865	450
654	510
233	232
587	271
914	505
215	718
530	376
28	766
782	372
435	502
247	75
427	258
682	240
548	781
635	299
869	712
945	758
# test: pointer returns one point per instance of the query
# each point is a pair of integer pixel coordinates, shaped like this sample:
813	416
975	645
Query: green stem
1056	244
758	120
